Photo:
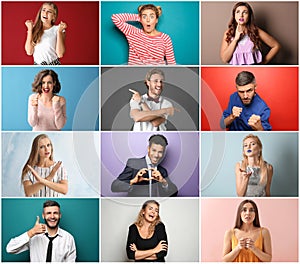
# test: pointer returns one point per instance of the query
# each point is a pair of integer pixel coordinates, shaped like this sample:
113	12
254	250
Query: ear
43	215
148	83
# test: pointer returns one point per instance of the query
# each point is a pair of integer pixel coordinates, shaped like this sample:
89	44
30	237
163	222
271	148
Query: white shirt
63	250
147	126
45	50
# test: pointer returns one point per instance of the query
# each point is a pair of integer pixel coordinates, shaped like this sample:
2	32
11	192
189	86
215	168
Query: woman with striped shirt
147	46
41	175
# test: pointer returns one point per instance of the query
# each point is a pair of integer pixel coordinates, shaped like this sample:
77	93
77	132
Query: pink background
278	87
82	35
280	216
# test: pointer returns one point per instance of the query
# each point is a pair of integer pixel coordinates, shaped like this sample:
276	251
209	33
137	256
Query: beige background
279	19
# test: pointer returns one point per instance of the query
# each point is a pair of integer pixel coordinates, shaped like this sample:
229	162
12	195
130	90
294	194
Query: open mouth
46	90
249	150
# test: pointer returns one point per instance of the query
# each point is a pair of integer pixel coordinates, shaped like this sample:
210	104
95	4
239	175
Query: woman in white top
41	175
46	41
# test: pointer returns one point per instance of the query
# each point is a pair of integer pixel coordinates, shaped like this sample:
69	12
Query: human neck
247	227
253	161
46	97
154	96
52	231
45	163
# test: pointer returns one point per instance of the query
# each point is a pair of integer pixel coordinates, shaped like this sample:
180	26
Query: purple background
181	159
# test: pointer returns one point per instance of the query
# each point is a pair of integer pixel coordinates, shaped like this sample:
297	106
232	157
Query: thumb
37	220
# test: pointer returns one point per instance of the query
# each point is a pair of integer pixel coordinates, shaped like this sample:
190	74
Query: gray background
181	88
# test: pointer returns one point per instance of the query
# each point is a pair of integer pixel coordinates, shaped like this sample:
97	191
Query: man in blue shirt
246	109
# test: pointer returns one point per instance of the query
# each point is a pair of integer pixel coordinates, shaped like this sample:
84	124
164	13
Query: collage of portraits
162	131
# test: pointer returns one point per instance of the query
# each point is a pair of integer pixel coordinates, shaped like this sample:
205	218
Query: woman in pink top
46	110
146	45
242	40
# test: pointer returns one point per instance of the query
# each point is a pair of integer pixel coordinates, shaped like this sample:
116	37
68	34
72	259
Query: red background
278	87
82	36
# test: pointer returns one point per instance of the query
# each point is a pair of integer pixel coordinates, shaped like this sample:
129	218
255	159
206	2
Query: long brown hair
140	219
252	29
238	220
37	83
261	162
156	9
34	158
38	30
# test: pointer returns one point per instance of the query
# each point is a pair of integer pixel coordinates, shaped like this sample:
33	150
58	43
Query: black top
145	244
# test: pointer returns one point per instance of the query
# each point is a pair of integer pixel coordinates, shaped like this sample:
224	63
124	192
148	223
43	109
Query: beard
52	227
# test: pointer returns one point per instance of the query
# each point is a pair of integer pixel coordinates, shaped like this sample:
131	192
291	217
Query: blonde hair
261	162
140	219
156	9
34	157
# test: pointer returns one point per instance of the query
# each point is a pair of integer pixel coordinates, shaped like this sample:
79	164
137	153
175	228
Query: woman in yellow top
247	241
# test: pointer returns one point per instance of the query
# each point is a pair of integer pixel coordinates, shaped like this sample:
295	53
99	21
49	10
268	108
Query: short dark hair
158	139
51	203
244	78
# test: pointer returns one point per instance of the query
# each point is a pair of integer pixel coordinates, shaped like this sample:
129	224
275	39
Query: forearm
158	121
145	254
120	21
270	55
228	120
60	44
148	116
241	186
60	116
29	48
231	256
227	52
31	189
32	115
18	244
60	187
264	257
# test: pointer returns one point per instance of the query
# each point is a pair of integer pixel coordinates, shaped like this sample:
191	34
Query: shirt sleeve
18	244
170	57
131	238
265	118
62	173
120	20
60	117
71	254
161	235
32	112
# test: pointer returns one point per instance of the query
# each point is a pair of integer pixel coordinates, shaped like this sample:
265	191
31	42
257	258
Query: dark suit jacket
122	183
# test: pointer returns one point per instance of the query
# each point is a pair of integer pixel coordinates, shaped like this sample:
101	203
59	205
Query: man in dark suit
144	176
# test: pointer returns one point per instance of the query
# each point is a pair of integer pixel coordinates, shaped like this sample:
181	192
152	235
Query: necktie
149	98
49	249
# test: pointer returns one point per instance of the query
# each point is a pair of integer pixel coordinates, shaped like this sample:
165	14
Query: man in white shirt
46	242
151	110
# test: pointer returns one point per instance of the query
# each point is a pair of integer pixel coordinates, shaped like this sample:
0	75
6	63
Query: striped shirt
144	49
44	172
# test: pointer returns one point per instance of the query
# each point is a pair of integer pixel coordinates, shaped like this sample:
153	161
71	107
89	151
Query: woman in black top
147	237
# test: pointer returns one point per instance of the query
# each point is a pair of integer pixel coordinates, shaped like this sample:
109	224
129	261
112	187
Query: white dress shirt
64	249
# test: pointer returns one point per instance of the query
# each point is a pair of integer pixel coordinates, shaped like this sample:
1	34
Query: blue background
80	217
180	20
75	82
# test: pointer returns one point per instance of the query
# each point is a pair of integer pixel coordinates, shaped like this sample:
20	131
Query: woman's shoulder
160	225
265	231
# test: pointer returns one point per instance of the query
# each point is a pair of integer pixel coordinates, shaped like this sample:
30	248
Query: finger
37	220
133	91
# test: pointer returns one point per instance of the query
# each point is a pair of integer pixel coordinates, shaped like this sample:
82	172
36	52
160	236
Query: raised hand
29	24
161	246
255	122
236	111
62	26
38	228
139	176
135	95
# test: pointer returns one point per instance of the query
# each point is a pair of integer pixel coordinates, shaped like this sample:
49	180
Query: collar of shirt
149	164
151	99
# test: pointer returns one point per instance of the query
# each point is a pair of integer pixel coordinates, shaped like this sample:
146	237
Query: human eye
251	210
144	16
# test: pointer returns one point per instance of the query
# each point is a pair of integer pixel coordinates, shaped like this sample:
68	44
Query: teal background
180	20
80	217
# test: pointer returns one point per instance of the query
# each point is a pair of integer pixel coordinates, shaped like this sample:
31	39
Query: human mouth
249	150
241	20
46	90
